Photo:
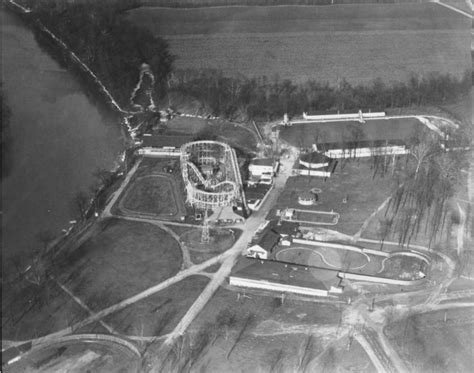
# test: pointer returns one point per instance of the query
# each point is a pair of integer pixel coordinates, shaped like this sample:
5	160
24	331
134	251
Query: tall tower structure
205	236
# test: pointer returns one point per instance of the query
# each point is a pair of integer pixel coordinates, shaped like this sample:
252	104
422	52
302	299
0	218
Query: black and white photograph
237	186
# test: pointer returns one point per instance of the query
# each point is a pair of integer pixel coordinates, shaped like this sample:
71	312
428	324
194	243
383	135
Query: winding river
59	139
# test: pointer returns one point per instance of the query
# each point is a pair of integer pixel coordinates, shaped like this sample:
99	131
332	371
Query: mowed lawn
153	195
352	179
356	42
122	260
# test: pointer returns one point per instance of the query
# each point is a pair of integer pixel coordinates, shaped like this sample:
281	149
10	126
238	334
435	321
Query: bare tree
80	205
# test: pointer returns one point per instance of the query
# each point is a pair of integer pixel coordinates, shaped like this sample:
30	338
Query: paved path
457	10
249	228
107	210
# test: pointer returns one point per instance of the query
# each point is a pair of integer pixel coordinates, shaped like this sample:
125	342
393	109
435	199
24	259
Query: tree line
208	3
112	47
5	134
262	98
424	186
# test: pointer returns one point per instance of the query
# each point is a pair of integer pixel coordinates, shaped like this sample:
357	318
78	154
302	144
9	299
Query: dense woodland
5	134
421	201
111	46
204	3
267	99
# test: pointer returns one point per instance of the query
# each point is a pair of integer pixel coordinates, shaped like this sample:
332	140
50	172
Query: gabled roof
284	227
268	240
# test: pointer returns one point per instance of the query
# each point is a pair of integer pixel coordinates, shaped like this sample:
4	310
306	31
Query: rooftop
262	162
315	157
285	273
268	239
283	227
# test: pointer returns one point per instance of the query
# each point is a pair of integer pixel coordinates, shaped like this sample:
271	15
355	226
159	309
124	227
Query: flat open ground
396	267
353	180
428	344
275	336
307	134
28	312
220	241
302	43
124	259
155	195
158	314
235	135
153	191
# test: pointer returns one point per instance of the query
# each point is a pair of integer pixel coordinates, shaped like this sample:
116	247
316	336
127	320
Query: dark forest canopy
5	134
114	49
110	45
267	99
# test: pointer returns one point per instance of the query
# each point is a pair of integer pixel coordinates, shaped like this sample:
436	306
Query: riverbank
58	133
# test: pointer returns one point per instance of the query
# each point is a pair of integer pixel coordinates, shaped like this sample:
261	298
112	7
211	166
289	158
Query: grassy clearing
264	308
155	190
31	311
160	313
353	180
301	43
250	331
428	343
122	260
307	134
154	195
220	241
233	134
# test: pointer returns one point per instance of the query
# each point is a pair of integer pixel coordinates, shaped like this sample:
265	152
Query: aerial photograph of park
237	186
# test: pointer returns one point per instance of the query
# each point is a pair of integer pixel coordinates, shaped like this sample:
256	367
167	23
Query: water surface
59	139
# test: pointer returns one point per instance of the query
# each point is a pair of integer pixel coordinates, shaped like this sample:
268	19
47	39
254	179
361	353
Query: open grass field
155	195
32	311
220	241
355	42
155	191
307	134
429	344
235	135
158	314
353	180
122	260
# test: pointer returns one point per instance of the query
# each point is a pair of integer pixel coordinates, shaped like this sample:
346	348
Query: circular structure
314	160
211	174
307	199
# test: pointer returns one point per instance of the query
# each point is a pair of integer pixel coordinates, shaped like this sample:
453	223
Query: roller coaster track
196	171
